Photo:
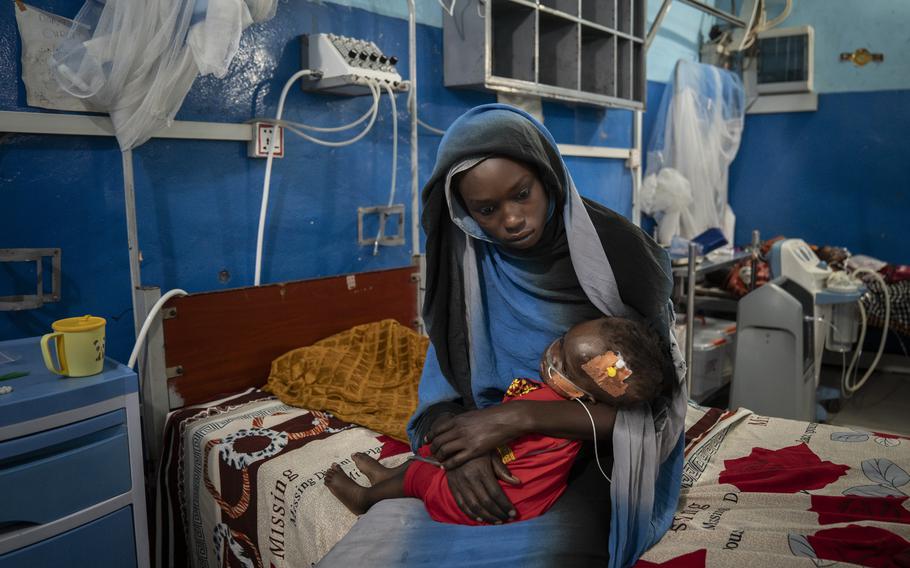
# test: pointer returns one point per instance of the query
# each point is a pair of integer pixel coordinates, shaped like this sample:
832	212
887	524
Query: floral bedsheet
762	491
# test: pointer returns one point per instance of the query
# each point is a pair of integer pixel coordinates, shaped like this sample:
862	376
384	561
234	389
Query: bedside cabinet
72	491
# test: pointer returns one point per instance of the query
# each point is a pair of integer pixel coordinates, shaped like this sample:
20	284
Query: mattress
240	482
241	485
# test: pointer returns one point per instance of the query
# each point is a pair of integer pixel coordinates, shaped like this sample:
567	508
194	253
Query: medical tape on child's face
610	371
562	383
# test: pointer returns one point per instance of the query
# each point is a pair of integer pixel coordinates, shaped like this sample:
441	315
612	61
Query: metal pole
756	243
152	369
711	10
690	315
415	156
132	237
658	20
635	163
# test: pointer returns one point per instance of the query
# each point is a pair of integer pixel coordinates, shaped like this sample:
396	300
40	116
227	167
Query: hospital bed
240	481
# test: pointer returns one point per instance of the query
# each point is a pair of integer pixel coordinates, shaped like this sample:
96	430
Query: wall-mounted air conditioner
778	75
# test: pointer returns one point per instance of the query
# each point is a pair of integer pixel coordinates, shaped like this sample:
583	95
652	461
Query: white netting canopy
137	59
696	136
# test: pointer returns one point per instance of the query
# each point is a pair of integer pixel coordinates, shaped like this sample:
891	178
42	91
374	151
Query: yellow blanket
367	375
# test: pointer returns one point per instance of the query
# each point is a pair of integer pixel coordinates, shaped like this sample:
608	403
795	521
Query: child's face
574	366
507	200
553	372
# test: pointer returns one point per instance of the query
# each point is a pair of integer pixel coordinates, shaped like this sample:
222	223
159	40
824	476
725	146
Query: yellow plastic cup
80	346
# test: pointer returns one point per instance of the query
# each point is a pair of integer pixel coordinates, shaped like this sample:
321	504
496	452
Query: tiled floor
881	405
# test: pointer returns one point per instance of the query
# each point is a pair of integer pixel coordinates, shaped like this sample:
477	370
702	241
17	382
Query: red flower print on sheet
891	436
866	546
691	560
787	470
836	509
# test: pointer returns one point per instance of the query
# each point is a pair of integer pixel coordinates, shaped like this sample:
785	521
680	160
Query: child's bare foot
346	490
375	471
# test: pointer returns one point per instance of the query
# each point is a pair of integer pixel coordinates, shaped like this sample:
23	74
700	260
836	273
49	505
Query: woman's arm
435	399
469	435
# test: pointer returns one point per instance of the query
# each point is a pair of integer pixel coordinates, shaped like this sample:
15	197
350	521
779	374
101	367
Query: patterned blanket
241	483
761	491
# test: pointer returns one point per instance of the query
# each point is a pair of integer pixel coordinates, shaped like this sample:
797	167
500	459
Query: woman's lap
399	532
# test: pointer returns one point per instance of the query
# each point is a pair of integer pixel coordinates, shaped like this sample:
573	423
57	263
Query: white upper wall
678	37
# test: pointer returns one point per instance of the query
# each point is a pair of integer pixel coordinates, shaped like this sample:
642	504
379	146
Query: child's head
614	360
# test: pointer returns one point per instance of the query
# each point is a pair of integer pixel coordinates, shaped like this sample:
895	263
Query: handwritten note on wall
40	33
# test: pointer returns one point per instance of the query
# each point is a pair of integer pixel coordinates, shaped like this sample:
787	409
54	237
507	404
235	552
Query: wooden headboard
223	342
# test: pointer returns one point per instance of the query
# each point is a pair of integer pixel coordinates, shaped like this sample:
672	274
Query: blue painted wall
198	201
838	175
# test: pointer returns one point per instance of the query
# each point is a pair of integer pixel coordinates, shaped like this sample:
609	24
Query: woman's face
507	200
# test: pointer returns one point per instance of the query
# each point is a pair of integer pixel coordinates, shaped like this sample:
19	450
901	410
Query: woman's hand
477	492
454	440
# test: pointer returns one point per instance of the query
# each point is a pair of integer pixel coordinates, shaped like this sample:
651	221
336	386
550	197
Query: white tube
394	163
594	429
432	129
785	13
303	126
268	175
339	143
266	184
850	388
140	339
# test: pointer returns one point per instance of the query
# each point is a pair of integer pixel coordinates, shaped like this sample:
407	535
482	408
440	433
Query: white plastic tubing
849	387
140	339
298	128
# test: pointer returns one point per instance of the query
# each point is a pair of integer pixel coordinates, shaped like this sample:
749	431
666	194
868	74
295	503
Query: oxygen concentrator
782	329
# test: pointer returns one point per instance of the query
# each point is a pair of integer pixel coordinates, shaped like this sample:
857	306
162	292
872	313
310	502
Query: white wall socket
265	134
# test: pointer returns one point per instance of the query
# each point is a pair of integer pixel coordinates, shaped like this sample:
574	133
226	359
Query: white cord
302	126
381	229
450	9
140	339
785	13
268	174
266	183
850	388
594	428
432	129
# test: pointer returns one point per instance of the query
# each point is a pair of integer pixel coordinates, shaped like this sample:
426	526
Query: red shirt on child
542	463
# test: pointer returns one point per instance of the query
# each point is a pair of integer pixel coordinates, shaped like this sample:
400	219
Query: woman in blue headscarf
515	257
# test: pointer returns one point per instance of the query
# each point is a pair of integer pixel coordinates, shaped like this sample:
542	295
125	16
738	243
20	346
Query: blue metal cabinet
71	478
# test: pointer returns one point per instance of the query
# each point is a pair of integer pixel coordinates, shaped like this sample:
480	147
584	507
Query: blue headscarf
491	311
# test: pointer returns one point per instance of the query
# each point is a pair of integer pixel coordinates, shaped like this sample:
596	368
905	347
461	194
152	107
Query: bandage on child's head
609	371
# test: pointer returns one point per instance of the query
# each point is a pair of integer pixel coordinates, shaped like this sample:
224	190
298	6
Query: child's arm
475	433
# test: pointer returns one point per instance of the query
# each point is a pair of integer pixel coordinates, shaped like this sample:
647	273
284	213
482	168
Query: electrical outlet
264	135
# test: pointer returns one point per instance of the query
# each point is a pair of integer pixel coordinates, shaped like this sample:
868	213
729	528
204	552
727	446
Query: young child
610	360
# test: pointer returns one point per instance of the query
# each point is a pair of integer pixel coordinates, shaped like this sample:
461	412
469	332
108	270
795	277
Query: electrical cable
300	125
394	165
140	339
450	9
776	21
268	175
432	129
266	183
851	387
338	143
594	428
